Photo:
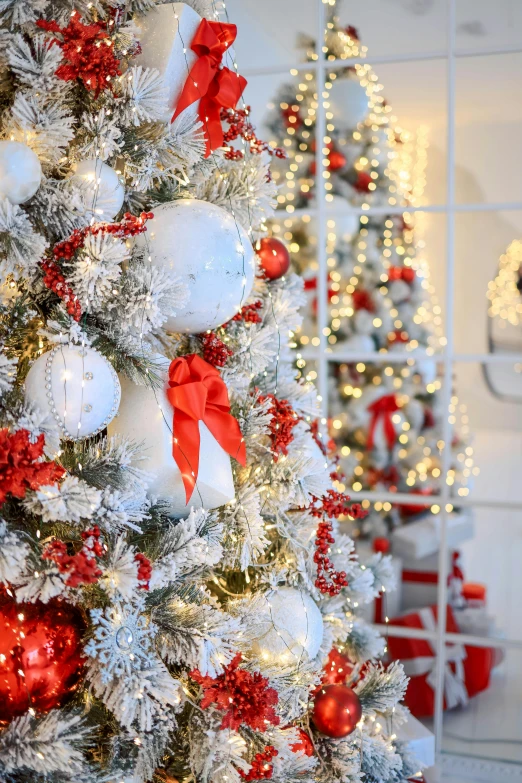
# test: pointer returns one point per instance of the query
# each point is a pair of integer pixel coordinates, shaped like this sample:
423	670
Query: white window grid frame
447	356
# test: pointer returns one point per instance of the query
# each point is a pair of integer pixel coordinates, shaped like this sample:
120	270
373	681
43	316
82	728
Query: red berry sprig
328	581
249	313
215	351
239	126
261	767
144	570
55	281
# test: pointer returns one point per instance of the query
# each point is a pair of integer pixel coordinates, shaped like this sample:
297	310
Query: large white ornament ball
78	386
349	101
203	245
103	191
20	172
146	416
295	626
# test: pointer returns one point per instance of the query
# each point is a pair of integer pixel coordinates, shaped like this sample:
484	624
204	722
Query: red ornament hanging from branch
41	660
274	257
337	711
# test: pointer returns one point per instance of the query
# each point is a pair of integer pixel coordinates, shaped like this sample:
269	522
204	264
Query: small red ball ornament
304	743
336	160
337	668
337	711
274	257
362	182
41	659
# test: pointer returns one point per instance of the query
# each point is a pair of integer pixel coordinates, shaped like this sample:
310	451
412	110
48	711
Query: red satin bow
383	407
197	393
214	85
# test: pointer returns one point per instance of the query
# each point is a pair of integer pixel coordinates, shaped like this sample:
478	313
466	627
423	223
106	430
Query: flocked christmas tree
177	602
386	417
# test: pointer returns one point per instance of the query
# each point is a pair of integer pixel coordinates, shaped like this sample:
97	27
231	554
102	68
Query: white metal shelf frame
447	357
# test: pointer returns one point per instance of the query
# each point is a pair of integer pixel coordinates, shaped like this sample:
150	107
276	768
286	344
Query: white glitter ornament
295	627
103	193
20	172
79	387
210	252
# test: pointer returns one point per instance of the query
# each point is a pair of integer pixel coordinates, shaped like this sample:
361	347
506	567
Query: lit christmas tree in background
386	417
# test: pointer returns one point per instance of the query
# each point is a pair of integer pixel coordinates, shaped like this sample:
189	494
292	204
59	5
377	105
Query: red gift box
466	669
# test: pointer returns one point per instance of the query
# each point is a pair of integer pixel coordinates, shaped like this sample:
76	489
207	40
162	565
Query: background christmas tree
166	612
386	417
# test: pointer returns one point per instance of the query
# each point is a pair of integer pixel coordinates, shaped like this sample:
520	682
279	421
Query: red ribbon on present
197	393
213	84
383	408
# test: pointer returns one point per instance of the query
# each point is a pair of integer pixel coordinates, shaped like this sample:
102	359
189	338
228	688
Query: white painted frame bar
324	356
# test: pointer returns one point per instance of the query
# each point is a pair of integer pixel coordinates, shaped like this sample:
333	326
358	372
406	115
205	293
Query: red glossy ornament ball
274	257
304	743
336	160
337	711
337	668
362	182
41	659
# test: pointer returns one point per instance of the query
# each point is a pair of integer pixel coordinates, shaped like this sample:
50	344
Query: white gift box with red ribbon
416	540
420	581
455	692
466	669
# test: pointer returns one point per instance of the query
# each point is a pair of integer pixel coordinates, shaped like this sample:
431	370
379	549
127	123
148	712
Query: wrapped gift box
467	669
420	580
421	539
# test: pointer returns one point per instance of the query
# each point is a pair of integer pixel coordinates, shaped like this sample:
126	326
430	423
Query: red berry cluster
334	504
88	53
144	570
328	581
81	568
55	281
129	226
260	767
241	127
215	351
283	421
245	698
249	313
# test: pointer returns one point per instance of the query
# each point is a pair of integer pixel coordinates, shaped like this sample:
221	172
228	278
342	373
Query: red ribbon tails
213	84
197	393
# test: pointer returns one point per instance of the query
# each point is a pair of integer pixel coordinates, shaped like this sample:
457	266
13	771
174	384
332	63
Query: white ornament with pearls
207	249
146	417
294	627
103	192
20	172
79	387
